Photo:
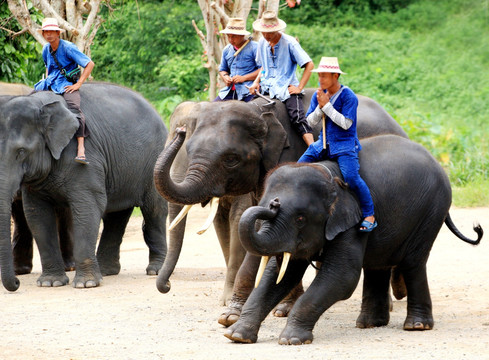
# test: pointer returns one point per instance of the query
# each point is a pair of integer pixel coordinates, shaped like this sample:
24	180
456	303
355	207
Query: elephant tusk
180	216
261	269
285	262
212	215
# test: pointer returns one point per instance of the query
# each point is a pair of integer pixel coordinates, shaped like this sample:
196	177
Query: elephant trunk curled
187	192
263	241
9	280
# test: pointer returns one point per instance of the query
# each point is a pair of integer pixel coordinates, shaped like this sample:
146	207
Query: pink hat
329	64
50	24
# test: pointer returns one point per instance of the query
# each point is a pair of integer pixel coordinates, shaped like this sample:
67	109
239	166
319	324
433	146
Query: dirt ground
127	318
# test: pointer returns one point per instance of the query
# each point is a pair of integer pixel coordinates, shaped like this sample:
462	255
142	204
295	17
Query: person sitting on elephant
238	66
278	55
337	105
62	59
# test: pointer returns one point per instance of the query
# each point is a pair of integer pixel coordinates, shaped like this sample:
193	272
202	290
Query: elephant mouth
282	259
214	205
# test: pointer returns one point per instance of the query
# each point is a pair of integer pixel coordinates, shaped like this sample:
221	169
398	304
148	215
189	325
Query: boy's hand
71	88
323	97
294	90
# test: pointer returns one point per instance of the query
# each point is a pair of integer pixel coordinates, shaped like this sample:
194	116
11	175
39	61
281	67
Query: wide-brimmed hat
49	24
329	64
235	26
269	22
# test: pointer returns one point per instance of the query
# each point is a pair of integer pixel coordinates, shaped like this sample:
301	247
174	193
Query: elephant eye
231	160
21	154
300	221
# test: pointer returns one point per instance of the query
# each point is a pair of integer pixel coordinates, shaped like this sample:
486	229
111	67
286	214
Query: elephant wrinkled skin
224	150
309	214
37	157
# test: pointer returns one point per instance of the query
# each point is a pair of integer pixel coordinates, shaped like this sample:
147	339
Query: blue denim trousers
349	167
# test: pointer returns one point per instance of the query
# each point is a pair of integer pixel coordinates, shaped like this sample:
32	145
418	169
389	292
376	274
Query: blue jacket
339	140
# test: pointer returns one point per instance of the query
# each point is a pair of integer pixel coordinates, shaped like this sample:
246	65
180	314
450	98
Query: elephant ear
58	126
345	213
275	141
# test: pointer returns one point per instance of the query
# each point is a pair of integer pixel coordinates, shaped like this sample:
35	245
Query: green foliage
152	48
21	61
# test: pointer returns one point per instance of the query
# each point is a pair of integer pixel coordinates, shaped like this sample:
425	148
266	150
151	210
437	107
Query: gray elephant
224	153
36	136
22	241
308	214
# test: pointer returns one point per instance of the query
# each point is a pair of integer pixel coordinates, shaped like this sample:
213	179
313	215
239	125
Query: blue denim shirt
339	140
69	57
280	68
244	63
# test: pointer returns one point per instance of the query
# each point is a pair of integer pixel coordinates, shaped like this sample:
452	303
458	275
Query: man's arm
248	77
304	79
84	76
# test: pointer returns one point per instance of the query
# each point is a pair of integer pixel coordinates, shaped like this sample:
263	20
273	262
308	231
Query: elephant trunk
261	242
187	192
175	247
9	280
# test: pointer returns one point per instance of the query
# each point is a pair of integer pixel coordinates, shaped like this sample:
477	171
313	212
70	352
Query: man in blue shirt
238	67
65	60
278	55
337	105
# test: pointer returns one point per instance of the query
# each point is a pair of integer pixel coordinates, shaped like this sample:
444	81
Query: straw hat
329	64
49	24
269	22
235	26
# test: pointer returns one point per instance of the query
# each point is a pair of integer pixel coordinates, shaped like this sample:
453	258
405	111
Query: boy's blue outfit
241	64
341	145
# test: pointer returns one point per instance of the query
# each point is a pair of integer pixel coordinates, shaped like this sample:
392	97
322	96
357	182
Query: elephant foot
295	336
283	309
108	269
69	264
46	280
416	323
367	320
242	333
153	268
229	317
22	269
82	282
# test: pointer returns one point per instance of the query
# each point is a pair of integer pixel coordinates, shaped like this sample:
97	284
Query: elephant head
34	130
297	217
229	147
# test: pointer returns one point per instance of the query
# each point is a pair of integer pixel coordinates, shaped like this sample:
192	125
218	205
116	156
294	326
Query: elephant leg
335	281
226	226
283	309
65	233
42	222
419	309
264	298
22	246
109	247
375	299
243	285
155	213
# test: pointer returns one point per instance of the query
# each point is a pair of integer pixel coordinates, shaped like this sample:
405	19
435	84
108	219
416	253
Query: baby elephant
308	214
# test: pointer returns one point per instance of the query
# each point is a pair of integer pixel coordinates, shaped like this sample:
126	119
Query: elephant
224	153
307	213
22	237
37	156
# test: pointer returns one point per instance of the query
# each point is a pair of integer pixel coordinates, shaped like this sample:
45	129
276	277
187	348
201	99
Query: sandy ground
127	318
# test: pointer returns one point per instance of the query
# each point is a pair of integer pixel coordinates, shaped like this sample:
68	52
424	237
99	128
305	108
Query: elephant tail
477	228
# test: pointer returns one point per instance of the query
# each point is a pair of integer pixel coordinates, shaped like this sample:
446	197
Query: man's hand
74	87
253	88
228	80
323	97
294	90
237	79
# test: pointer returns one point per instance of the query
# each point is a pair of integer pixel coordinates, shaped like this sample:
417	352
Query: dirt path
127	318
